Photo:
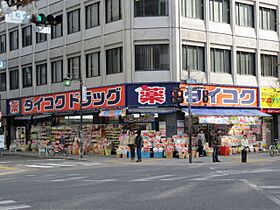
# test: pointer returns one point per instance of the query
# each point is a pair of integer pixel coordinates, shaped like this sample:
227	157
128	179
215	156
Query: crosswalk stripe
270	187
39	166
14	207
7	202
151	178
68	179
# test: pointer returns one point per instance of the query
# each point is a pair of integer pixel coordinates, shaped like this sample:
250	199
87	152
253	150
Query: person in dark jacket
139	145
216	145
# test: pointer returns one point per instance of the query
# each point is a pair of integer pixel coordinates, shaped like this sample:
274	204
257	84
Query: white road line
39	166
67	179
6	202
59	165
173	179
268	195
6	179
270	187
15	207
100	180
150	178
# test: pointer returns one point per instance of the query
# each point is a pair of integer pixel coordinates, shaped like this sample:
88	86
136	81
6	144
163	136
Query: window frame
143	5
3	84
272	18
200	52
223	11
225	55
197	11
41	37
25	41
70	17
111	18
40	80
53	70
3	49
89	13
273	71
119	60
54	29
241	6
11	40
98	65
25	82
14	85
245	61
70	72
154	55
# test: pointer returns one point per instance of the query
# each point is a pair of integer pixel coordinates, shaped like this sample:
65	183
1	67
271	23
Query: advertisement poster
270	98
222	96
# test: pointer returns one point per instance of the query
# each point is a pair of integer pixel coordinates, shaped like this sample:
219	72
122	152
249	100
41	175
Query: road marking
68	179
268	195
7	202
15	207
5	179
100	180
270	187
151	178
7	168
173	179
59	165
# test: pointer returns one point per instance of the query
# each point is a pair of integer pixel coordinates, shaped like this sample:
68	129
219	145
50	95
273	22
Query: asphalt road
28	183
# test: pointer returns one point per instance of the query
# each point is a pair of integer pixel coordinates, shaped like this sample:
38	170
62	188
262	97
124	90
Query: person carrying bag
244	148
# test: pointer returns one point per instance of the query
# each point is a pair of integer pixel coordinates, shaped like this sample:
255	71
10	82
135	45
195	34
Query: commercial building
110	42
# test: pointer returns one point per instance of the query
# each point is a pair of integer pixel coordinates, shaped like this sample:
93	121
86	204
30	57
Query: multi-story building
233	42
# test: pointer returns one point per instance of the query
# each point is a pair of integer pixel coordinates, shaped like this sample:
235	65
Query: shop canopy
153	110
225	112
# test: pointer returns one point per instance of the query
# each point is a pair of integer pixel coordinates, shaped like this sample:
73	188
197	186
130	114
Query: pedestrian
216	145
244	148
201	142
139	145
62	139
131	144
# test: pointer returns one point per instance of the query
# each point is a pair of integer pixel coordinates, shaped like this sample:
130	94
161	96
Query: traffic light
205	96
177	96
42	19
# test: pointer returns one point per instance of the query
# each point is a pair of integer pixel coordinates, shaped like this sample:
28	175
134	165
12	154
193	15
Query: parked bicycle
58	150
274	148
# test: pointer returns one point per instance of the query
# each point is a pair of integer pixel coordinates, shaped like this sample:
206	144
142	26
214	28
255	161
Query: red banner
222	96
96	98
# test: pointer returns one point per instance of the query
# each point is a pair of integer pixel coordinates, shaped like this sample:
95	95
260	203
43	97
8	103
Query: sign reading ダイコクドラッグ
96	98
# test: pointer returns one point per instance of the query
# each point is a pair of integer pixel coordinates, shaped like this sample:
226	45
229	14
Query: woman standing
139	144
244	148
131	144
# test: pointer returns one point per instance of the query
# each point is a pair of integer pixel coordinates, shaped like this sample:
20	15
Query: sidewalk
252	158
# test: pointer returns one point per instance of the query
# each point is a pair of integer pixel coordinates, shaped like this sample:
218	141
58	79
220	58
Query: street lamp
67	82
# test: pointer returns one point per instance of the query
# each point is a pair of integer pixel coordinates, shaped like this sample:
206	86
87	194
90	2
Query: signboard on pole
84	93
17	17
42	29
2	64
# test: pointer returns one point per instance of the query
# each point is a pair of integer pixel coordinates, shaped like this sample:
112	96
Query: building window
14	79
92	15
193	58
245	63
219	11
92	65
244	14
74	21
27	76
41	74
26	36
144	8
57	71
152	57
74	67
220	61
14	40
114	61
193	9
40	37
3	81
267	19
113	10
269	65
56	30
3	43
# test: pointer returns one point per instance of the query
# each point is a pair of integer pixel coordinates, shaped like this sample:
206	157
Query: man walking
131	144
216	145
139	145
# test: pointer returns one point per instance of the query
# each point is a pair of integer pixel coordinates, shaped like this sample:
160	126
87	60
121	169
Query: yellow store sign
270	98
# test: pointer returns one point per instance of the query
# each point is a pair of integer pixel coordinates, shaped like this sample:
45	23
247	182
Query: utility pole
81	117
189	115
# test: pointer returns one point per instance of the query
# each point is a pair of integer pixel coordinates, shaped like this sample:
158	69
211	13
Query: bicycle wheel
64	152
51	152
272	150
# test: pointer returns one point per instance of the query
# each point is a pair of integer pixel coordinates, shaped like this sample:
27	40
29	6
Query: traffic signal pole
189	119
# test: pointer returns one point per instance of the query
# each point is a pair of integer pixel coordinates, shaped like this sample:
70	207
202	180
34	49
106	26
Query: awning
41	116
153	110
112	113
226	112
26	117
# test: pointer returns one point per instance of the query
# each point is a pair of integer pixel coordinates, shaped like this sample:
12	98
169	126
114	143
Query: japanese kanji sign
223	96
96	98
150	94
